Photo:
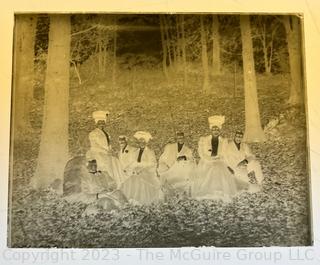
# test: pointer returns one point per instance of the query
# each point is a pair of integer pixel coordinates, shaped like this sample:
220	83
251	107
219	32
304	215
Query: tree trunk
170	39
100	55
178	41
216	61
204	56
292	27
104	56
253	130
167	39
269	68
25	28
271	49
183	47
164	48
172	42
114	68
263	39
267	42
53	153
265	56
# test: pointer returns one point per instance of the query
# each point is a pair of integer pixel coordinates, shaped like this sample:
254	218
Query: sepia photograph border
311	52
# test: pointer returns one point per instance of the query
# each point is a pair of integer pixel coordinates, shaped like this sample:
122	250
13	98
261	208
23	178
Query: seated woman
176	165
214	180
100	155
79	185
242	162
127	155
143	184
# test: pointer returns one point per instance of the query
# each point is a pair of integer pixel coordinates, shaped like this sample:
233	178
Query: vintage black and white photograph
158	130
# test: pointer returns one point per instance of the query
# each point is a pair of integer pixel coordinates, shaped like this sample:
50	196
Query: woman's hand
138	169
181	158
243	163
109	151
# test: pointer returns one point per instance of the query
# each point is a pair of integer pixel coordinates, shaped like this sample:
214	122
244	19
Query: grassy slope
276	216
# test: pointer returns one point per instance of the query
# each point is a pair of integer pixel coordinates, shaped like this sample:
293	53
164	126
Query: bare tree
216	61
25	27
53	153
183	47
178	41
100	53
266	30
253	130
293	34
114	67
164	47
173	40
168	40
204	56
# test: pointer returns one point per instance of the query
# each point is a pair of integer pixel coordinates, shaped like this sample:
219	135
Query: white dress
214	180
234	156
143	185
100	151
127	157
178	174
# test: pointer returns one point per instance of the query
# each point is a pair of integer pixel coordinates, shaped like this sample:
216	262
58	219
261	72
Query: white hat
216	120
144	135
123	137
100	115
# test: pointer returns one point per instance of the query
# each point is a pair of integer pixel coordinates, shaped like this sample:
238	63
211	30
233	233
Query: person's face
215	131
180	139
122	142
238	138
101	124
142	143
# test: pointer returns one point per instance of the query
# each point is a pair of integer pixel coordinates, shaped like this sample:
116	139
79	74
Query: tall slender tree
293	35
253	130
266	28
173	39
114	67
25	28
100	53
53	153
216	61
183	47
204	55
164	47
168	40
178	41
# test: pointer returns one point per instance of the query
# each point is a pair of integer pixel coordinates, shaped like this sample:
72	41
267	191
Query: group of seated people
226	167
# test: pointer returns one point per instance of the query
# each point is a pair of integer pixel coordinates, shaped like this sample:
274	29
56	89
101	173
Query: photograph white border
277	255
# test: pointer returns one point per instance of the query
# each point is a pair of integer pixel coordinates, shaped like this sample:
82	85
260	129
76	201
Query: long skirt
98	182
214	181
179	176
143	188
108	164
242	176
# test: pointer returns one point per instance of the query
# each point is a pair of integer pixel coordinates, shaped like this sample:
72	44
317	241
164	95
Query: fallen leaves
277	215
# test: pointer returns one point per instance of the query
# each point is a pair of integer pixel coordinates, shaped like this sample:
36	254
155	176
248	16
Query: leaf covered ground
278	215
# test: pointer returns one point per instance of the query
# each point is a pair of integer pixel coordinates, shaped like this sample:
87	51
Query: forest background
153	70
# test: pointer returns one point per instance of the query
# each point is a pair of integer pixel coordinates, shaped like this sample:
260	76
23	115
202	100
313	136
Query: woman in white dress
100	152
127	155
143	185
243	164
214	180
177	165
